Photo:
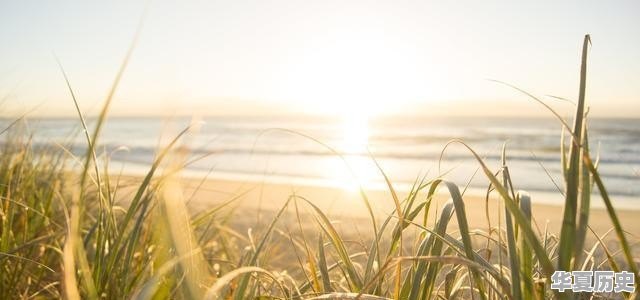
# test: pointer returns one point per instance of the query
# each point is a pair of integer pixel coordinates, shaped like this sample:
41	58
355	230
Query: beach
256	203
319	150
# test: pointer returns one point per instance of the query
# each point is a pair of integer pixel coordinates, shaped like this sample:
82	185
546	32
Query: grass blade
568	230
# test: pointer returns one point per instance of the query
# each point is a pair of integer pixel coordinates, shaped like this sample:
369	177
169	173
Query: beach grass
87	235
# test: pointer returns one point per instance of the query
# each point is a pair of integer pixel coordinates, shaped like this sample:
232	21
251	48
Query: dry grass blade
354	279
324	271
244	281
348	296
215	291
375	257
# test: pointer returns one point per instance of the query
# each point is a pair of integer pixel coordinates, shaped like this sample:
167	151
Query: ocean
303	150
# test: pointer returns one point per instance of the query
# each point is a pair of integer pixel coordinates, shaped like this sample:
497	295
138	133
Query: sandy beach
257	202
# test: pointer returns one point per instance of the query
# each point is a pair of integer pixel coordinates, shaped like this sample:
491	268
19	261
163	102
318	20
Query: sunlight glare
353	144
355	134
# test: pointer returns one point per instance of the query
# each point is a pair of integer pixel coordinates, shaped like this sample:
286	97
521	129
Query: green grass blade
568	230
430	246
585	203
514	262
626	249
463	226
526	257
518	216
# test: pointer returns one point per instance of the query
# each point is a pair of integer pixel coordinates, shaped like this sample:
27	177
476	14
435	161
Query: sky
326	57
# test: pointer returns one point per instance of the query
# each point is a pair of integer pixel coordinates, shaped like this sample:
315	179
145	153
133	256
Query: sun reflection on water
353	144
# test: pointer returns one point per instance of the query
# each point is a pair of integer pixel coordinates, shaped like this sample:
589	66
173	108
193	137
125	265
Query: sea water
340	151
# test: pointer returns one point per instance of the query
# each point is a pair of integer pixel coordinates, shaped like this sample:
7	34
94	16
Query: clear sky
229	57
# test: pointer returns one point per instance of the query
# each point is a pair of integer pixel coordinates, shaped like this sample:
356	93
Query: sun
355	78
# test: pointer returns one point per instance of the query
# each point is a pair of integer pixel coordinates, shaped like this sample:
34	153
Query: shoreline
538	197
260	200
